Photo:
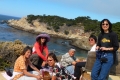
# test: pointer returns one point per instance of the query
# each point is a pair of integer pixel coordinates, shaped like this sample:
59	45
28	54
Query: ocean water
8	33
6	17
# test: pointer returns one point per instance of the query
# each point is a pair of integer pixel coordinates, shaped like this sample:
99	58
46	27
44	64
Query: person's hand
44	63
53	78
103	48
74	62
84	60
97	48
81	77
41	76
38	77
78	60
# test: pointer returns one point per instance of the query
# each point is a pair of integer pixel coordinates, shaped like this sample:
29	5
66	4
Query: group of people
31	63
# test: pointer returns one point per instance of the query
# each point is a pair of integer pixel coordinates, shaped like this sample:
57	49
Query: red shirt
38	49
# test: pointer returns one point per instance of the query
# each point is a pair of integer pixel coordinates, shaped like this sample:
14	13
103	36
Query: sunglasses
43	38
91	39
105	24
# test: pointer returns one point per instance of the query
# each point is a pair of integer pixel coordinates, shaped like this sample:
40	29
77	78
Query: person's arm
115	42
46	51
23	67
106	49
70	60
78	60
31	75
74	62
53	78
38	51
98	42
33	67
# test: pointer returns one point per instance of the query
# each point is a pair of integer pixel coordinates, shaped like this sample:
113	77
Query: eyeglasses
105	24
49	60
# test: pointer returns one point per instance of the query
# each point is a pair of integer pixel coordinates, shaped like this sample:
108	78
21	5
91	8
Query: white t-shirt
93	48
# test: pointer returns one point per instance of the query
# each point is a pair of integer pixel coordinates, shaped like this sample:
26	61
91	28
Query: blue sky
96	9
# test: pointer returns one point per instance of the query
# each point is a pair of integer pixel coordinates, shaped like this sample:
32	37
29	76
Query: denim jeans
70	69
100	70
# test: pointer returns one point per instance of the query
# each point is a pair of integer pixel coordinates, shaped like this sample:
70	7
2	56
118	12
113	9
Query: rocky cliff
76	35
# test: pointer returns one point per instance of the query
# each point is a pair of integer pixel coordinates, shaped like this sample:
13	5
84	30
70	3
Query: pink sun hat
45	35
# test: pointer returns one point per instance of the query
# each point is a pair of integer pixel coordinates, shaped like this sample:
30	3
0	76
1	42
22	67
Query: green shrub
66	32
9	51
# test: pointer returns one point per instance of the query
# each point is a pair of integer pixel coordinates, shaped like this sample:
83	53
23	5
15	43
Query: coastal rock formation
82	43
78	37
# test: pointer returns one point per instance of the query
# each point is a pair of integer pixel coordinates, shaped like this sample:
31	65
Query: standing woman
40	51
107	45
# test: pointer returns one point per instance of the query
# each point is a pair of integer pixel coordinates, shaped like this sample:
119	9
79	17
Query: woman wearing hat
40	50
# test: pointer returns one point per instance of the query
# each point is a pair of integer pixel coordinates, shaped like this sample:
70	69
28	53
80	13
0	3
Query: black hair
26	49
94	37
53	56
39	41
110	25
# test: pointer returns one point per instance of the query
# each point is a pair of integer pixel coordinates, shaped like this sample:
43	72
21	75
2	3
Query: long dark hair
26	49
39	41
110	25
53	56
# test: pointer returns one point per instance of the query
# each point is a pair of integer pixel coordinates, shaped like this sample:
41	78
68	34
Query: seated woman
20	68
53	66
92	41
40	51
56	71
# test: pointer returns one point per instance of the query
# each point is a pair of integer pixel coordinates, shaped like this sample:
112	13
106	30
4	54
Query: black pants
77	71
36	61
